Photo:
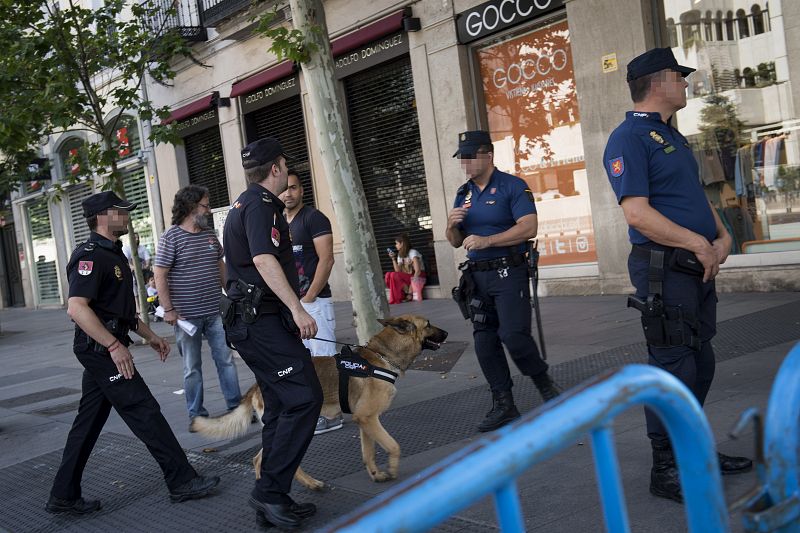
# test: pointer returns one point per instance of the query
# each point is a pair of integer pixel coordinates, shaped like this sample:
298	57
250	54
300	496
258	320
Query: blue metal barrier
491	465
775	504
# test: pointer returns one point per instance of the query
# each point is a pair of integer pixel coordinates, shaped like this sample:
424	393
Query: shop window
531	110
729	34
125	138
747	145
742	25
718	26
71	158
672	31
135	186
758	19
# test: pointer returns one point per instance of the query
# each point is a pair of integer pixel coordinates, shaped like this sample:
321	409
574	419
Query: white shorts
321	310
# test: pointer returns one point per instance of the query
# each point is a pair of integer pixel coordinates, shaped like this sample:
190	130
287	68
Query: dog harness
351	364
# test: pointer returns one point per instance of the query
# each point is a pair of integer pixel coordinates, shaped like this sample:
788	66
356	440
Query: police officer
263	284
101	303
493	217
678	241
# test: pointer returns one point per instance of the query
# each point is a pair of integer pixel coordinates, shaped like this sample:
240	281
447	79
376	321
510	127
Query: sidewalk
434	413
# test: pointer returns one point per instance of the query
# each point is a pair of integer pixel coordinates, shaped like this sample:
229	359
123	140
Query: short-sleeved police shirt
254	226
495	209
307	225
99	271
649	158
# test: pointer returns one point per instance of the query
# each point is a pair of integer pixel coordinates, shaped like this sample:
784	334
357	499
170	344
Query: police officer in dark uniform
265	323
678	243
494	216
102	305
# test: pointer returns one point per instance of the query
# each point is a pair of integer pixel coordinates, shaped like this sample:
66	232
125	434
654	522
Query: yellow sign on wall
609	63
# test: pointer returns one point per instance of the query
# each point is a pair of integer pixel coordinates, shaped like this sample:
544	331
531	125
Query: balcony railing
185	16
217	10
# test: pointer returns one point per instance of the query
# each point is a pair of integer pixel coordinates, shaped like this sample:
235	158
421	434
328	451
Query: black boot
664	480
547	387
503	411
733	465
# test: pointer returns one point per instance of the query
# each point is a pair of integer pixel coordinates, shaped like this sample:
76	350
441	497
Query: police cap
470	141
97	203
653	61
262	151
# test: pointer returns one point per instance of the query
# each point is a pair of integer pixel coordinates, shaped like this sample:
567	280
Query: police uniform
646	157
98	270
282	365
501	312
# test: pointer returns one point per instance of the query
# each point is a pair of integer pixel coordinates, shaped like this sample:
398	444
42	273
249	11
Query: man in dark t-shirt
312	244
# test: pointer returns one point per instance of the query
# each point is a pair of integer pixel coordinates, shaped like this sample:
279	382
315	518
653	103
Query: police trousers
695	368
103	388
292	399
506	291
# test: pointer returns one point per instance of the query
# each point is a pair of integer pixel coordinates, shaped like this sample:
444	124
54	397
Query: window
690	27
758	19
707	28
70	158
126	136
718	26
741	20
729	35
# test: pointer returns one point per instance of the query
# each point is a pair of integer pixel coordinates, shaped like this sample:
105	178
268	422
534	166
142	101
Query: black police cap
470	141
262	151
97	203
653	61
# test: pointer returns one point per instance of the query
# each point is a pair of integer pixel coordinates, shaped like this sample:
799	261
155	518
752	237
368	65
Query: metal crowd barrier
492	464
774	504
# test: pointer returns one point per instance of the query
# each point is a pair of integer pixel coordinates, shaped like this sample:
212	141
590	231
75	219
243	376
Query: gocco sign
497	15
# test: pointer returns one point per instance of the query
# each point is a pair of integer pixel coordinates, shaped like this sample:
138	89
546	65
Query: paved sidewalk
434	414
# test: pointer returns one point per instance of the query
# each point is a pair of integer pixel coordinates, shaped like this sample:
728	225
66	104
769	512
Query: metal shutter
206	165
284	121
385	133
80	230
135	188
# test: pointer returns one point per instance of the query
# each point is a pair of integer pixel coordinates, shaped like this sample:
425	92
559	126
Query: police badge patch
617	167
85	267
276	236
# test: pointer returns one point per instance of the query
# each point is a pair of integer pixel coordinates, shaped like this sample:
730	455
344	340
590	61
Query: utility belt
472	306
483	265
666	326
349	365
118	327
250	307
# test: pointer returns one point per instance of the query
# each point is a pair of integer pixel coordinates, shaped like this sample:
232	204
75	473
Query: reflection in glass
740	121
44	253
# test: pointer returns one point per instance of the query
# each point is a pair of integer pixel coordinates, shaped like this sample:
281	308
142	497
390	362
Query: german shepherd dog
395	348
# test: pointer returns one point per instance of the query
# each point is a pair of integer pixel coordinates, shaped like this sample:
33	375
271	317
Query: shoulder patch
265	198
530	195
90	246
85	267
276	236
617	167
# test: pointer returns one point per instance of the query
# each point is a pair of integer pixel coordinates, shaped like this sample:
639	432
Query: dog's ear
399	324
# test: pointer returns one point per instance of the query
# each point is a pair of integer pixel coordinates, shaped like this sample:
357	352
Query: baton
533	270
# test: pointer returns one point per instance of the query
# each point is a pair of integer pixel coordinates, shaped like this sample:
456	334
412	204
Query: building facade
546	78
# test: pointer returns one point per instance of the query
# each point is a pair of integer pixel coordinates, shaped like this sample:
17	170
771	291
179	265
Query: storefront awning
372	32
198	106
252	83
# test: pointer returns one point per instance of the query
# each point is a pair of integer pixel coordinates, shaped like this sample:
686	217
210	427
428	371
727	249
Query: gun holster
227	311
666	326
251	301
462	294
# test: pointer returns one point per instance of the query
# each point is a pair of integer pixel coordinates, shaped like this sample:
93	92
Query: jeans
189	346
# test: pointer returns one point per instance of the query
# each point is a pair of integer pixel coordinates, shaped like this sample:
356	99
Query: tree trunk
349	202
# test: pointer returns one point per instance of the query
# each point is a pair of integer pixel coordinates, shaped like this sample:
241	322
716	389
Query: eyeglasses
204	205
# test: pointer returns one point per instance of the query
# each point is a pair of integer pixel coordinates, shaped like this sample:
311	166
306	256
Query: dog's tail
231	424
